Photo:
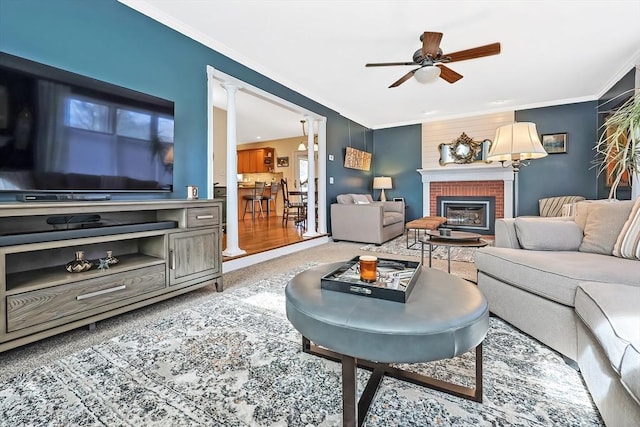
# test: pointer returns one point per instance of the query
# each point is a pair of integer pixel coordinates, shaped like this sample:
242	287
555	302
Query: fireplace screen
475	214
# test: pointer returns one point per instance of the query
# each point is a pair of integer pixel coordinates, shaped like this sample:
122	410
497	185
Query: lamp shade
517	141
302	147
382	183
427	74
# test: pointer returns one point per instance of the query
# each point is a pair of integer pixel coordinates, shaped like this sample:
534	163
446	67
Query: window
133	124
165	129
87	115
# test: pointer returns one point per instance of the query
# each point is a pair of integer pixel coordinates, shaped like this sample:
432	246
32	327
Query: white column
232	248
311	182
322	178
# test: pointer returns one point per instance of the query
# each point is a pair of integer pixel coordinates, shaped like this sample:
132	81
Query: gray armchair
357	218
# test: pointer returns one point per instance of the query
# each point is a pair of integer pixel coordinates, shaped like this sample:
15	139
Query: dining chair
294	211
272	197
255	197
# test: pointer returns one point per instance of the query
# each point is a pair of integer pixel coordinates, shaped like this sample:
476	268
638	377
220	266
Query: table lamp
382	183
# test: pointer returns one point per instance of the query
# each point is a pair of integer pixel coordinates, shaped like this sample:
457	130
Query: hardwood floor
263	234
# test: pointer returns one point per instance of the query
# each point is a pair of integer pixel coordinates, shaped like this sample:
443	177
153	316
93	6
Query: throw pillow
603	225
344	199
548	235
360	199
628	242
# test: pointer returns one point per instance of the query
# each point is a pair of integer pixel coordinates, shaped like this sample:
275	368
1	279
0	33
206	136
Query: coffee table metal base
355	411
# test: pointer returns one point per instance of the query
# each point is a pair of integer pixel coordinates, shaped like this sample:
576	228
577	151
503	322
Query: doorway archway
233	87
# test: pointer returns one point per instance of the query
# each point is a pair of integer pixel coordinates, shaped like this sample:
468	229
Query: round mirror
462	150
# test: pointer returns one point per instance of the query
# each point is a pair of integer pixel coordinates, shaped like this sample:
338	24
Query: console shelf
57	235
165	248
31	280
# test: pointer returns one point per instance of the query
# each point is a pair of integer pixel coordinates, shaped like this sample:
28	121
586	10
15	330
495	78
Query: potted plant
619	143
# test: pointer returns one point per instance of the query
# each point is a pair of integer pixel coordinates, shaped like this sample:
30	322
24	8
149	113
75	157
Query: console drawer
44	305
203	217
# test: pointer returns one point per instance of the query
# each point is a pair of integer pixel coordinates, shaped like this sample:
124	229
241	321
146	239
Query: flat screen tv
62	132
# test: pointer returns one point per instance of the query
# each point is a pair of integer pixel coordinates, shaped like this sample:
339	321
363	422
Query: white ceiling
553	52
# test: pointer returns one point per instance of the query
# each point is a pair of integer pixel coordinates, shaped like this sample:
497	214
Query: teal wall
109	41
564	174
398	154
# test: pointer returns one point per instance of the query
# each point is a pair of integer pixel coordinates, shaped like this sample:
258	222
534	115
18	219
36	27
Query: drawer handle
204	216
172	259
102	292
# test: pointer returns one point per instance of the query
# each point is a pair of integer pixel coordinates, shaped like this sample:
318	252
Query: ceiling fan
431	60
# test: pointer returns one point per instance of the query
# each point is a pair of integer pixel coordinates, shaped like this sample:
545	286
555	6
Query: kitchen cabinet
256	160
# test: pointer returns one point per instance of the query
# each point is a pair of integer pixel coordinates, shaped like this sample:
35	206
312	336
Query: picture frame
555	143
357	159
282	162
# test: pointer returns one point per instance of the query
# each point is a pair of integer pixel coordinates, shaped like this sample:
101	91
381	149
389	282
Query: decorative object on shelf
382	183
103	264
79	264
283	162
617	148
555	143
192	192
464	150
516	143
111	259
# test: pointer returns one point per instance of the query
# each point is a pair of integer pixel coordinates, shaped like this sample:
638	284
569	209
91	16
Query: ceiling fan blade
386	64
448	74
430	43
403	78
476	52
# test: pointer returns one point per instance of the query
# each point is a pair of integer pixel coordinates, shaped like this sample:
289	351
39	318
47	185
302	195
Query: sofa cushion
603	224
392	218
344	199
361	199
554	275
628	242
610	313
541	234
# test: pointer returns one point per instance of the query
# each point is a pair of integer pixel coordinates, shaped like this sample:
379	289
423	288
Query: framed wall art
555	143
283	162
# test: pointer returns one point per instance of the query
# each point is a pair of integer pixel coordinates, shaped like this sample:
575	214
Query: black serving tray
396	279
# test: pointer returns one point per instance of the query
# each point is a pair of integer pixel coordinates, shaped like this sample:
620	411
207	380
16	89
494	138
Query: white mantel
479	172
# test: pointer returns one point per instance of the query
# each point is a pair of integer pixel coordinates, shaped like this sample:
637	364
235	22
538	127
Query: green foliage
619	143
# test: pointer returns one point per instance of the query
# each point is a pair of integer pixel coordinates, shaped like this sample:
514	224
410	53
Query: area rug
398	246
235	360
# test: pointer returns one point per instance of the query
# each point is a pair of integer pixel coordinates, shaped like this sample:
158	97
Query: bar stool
272	197
256	197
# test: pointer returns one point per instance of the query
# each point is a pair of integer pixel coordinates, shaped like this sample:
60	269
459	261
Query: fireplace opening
466	213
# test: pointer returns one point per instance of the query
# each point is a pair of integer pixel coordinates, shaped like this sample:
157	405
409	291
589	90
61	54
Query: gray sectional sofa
557	280
358	218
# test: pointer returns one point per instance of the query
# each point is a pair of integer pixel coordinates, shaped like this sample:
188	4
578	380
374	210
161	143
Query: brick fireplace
474	180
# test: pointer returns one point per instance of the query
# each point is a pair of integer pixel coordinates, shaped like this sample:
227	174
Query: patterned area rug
398	246
235	360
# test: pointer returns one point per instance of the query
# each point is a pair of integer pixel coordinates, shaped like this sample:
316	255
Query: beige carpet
31	356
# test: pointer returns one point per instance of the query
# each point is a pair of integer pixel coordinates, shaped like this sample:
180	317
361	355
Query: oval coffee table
443	317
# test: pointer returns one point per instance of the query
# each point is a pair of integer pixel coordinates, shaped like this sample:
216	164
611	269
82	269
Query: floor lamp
516	143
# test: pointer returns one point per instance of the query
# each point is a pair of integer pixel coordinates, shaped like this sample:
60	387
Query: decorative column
232	248
321	191
311	182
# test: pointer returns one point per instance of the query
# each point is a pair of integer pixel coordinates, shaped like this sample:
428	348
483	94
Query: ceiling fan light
427	74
